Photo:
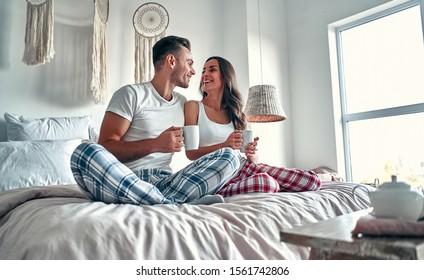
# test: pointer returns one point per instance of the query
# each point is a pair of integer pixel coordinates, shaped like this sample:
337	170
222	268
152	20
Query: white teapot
396	200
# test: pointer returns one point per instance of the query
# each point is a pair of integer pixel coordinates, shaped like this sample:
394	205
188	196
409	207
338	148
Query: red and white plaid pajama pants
258	177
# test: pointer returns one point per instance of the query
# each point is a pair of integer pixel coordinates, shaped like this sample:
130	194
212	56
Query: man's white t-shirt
149	115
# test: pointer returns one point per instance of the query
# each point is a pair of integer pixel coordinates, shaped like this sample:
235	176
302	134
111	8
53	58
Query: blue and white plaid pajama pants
101	177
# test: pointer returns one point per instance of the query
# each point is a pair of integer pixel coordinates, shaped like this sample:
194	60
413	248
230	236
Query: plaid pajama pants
101	177
254	177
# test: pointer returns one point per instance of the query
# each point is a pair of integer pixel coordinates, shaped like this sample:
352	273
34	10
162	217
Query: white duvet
58	222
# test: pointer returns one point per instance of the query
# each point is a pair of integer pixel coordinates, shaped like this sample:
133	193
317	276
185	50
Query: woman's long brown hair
231	99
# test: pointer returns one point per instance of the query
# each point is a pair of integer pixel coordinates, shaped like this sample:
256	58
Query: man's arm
114	128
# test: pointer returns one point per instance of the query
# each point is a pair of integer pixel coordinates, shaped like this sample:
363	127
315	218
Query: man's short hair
168	45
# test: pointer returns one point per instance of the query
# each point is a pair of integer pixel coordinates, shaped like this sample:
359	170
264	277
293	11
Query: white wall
310	80
275	144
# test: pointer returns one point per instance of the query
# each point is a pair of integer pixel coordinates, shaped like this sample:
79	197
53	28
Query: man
140	132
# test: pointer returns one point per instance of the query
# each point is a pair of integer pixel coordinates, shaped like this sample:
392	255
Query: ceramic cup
247	138
191	137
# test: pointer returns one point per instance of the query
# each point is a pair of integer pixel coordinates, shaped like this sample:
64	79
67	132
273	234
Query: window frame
371	114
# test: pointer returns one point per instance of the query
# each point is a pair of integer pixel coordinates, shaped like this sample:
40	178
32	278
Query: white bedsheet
57	222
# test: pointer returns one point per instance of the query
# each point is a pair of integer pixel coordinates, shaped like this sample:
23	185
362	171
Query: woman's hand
234	140
250	150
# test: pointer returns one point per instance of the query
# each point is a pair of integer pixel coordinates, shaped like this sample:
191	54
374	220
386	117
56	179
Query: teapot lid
395	185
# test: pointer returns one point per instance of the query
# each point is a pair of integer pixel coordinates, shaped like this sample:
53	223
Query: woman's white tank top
211	132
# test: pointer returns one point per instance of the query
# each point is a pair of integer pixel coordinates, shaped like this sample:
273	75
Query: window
381	77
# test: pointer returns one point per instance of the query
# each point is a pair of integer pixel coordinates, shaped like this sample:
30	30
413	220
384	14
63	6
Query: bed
43	214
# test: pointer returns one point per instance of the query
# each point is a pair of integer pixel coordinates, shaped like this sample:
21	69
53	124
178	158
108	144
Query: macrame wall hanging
74	16
99	73
150	22
39	32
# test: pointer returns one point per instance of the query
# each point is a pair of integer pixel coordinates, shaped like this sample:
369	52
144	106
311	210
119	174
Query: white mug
247	138
191	137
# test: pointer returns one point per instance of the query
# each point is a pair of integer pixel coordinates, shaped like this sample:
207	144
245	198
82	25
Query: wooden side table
332	239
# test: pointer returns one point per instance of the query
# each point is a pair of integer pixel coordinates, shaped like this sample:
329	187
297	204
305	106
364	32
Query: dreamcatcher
150	21
39	32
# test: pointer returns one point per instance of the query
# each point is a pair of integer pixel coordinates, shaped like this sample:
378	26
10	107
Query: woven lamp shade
263	105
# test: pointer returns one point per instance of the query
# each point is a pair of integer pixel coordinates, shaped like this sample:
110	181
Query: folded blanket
370	225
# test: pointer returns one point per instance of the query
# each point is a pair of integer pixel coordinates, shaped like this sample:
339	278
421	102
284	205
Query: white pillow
20	128
36	163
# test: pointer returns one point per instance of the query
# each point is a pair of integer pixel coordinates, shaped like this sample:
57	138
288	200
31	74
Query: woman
221	119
